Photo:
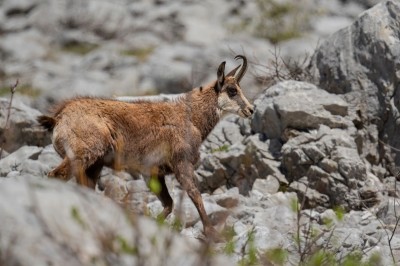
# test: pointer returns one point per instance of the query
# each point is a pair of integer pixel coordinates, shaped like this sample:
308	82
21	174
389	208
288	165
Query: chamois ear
220	76
233	71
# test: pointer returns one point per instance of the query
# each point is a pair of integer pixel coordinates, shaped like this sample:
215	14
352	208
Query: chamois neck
203	104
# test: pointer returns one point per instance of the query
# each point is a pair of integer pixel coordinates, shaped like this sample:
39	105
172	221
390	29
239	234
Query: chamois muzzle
246	112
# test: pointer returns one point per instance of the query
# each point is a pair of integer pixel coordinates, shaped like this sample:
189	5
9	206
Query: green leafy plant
340	212
126	247
223	148
277	256
177	225
77	217
229	234
249	251
154	185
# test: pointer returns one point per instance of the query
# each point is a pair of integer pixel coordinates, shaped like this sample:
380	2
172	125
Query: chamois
146	137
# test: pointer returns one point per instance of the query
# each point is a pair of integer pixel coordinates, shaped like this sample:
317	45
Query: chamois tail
47	122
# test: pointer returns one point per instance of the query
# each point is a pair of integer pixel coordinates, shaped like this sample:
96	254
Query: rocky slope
328	147
147	47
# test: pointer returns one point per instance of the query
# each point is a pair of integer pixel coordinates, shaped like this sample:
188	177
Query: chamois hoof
51	174
54	174
101	186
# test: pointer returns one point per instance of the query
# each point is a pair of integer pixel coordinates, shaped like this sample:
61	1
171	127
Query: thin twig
279	69
388	145
303	201
397	220
243	249
390	237
307	246
329	238
12	89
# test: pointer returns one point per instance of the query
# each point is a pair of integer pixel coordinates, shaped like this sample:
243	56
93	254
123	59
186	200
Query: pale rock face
22	128
49	212
299	106
364	72
317	144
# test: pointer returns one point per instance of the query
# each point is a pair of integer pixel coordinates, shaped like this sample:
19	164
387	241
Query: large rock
22	128
47	222
363	230
297	105
15	161
269	220
320	155
240	164
226	133
327	161
360	63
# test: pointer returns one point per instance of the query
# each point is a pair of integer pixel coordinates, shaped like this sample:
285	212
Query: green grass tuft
340	212
278	256
77	217
126	247
142	54
223	148
79	48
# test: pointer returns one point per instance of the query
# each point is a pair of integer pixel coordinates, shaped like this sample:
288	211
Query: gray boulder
16	160
388	211
55	223
360	63
328	162
226	133
22	128
270	221
269	185
363	229
297	105
240	164
320	155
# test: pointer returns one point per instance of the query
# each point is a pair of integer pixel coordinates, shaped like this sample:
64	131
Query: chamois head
230	96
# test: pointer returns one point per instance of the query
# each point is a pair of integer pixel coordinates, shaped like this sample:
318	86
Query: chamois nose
251	109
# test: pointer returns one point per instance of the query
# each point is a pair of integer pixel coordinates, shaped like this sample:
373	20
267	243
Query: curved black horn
243	69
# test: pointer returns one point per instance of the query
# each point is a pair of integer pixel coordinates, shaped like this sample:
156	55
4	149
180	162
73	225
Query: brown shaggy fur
151	138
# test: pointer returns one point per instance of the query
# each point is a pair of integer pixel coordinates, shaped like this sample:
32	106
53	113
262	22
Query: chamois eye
232	91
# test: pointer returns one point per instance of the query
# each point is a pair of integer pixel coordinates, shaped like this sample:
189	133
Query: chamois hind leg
67	169
87	163
63	171
164	197
79	171
184	172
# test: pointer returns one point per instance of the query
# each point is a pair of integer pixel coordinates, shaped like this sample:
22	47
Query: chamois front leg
93	173
184	172
164	197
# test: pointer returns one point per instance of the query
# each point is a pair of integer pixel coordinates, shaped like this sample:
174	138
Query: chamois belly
140	163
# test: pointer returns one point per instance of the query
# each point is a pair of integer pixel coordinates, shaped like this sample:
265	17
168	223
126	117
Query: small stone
328	165
270	185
